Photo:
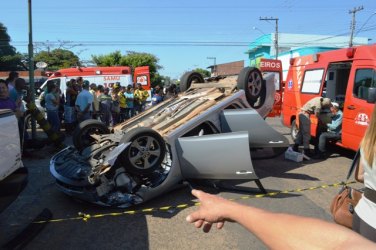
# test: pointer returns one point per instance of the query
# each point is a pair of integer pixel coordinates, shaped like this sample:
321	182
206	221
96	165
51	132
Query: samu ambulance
101	76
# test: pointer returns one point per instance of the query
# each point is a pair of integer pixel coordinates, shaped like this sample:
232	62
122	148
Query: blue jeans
83	116
324	137
129	112
53	119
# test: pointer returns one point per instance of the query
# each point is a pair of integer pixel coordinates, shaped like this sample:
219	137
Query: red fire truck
347	76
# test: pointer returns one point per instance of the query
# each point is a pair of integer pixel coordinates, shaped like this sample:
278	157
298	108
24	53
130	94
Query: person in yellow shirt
140	96
122	104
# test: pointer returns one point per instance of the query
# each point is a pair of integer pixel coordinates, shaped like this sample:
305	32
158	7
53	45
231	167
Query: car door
260	134
227	155
10	152
217	156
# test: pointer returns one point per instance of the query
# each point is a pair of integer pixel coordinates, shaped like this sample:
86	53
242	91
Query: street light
215	64
255	28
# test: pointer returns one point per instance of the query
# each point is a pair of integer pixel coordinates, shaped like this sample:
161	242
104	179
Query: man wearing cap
333	132
84	103
312	107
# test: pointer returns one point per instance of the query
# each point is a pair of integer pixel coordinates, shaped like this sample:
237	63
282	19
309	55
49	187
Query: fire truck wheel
188	78
82	134
145	153
251	81
294	130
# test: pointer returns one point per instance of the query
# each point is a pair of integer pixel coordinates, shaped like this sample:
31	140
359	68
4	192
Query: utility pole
352	26
31	68
276	32
215	64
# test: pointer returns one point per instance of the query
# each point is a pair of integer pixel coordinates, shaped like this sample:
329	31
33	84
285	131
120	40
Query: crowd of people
80	101
83	100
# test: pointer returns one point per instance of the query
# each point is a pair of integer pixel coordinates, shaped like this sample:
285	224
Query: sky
182	34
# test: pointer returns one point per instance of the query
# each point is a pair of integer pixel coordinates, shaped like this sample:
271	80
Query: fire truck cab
346	76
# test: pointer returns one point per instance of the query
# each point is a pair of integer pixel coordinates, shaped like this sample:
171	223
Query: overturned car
206	132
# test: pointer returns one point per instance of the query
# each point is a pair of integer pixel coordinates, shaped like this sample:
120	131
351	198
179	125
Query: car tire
294	130
81	135
145	153
189	77
250	80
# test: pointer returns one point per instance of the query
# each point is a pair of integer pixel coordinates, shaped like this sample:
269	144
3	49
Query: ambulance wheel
145	153
188	78
250	80
82	134
294	130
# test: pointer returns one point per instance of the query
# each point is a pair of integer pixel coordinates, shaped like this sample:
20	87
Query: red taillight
292	61
125	71
350	52
57	74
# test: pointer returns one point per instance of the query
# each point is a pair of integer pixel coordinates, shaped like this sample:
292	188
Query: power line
364	24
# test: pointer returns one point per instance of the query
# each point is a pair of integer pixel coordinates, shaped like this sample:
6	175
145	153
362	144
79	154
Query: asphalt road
168	230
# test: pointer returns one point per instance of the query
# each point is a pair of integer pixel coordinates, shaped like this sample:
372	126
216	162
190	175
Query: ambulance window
364	79
54	81
312	81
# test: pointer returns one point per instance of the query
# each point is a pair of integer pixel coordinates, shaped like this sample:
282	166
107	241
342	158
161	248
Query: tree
9	58
58	58
112	59
132	59
203	72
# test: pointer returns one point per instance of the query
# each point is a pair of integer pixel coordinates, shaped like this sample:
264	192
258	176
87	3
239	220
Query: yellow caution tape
85	217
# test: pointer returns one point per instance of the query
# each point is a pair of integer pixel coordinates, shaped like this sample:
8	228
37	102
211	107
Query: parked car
206	132
13	175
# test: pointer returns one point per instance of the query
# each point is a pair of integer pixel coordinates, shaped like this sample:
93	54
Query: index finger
196	193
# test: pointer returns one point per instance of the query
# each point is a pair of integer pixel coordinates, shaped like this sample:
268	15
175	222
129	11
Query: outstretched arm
276	230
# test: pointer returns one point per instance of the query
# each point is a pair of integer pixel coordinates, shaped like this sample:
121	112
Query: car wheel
81	135
145	153
188	78
294	130
251	81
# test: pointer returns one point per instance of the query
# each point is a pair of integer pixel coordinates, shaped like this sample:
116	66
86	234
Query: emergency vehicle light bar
350	52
